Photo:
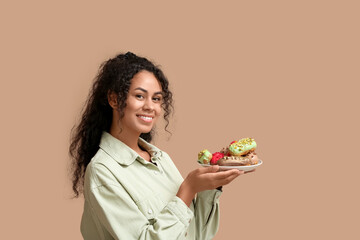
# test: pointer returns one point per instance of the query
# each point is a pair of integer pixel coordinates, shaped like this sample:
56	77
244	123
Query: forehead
145	80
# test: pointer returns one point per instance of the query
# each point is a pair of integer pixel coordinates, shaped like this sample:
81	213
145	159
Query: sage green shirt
127	197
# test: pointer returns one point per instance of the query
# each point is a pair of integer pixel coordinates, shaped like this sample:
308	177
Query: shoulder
100	170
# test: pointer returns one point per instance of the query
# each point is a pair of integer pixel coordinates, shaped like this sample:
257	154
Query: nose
148	105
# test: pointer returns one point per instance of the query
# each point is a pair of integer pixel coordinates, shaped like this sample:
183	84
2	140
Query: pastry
215	157
242	147
234	161
238	153
204	156
253	157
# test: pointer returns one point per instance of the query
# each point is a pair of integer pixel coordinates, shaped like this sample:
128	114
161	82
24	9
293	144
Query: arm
121	217
202	179
204	182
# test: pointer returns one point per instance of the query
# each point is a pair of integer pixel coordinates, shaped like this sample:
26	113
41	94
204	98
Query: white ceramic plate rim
244	168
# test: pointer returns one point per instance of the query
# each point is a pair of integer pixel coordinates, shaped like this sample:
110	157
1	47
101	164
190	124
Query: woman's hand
205	179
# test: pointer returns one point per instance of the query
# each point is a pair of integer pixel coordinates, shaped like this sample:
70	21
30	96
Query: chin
145	130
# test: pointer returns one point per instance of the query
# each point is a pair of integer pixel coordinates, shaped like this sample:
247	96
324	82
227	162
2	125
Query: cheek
158	110
133	105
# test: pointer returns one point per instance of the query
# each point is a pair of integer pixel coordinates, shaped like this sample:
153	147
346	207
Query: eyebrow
144	90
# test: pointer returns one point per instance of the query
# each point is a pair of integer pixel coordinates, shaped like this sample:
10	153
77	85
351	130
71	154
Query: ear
112	99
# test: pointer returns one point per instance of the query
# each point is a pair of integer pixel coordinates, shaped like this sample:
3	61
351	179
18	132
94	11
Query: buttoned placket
154	165
155	160
158	166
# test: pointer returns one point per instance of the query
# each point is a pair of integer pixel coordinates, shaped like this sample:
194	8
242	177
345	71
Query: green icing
204	156
242	145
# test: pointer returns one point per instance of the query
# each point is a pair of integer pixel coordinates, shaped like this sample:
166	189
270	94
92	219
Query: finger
211	169
230	178
224	174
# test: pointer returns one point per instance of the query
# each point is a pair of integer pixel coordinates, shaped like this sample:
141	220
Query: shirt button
149	211
155	172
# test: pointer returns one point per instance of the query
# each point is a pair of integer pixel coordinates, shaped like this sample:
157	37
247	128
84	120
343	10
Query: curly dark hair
114	76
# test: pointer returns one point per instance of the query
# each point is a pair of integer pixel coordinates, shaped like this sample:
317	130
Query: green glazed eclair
242	147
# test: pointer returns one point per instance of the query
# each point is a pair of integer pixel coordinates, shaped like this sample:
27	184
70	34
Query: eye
139	96
157	99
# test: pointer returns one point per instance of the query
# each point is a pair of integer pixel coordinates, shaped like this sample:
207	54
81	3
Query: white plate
244	168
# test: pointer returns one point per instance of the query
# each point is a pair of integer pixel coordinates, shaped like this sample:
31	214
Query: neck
130	139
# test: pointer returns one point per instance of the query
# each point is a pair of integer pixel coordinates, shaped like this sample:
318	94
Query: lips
145	118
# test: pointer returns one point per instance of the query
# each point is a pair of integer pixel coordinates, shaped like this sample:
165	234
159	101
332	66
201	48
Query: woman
132	189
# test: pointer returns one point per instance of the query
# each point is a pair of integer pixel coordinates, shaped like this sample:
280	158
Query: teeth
146	118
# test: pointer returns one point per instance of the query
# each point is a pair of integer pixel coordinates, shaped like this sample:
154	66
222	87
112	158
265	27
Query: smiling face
143	104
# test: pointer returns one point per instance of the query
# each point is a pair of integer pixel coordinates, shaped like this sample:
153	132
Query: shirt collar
122	153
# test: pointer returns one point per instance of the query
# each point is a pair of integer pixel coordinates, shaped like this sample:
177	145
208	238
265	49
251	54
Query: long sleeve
207	214
117	216
127	197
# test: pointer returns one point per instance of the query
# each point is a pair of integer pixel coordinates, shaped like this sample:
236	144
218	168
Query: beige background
283	72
